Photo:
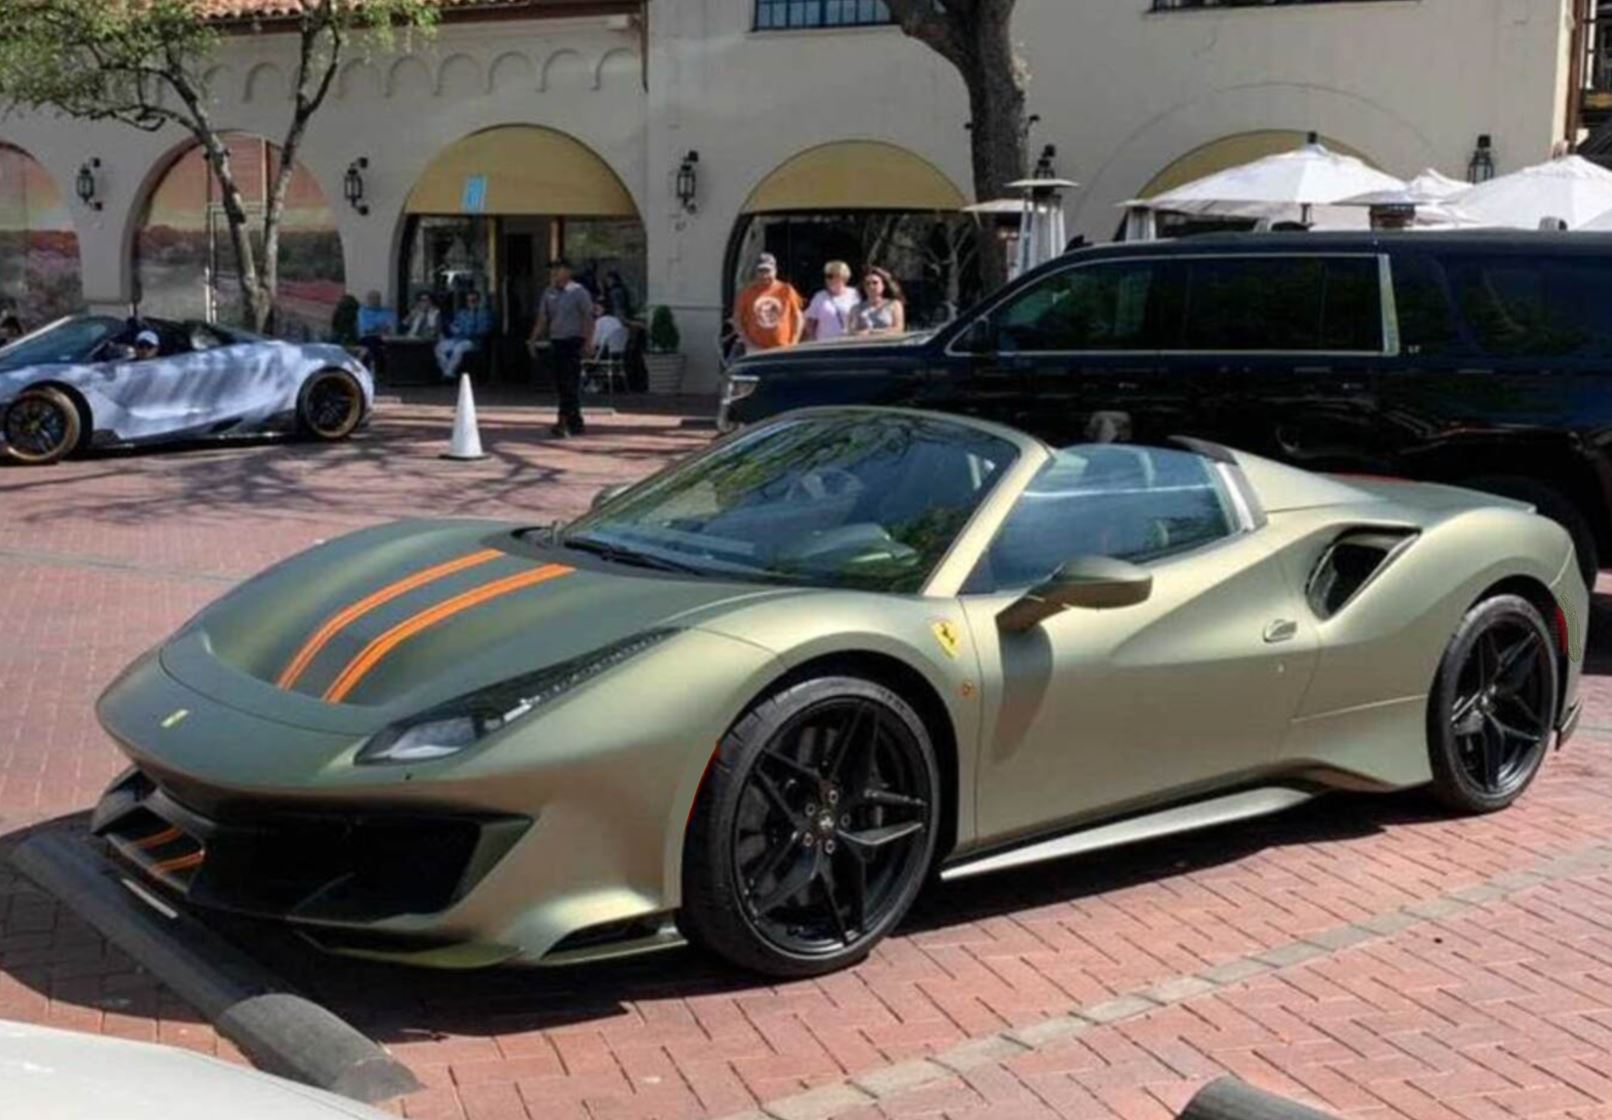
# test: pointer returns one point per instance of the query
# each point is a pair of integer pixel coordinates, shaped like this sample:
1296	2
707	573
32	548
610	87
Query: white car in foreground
48	1074
77	384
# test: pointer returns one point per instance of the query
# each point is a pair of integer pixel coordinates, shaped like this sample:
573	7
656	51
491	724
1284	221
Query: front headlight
450	728
739	386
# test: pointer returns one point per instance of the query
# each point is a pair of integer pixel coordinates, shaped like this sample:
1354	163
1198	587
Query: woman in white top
882	310
829	314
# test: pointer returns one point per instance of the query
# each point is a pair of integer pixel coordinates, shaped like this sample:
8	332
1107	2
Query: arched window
39	269
185	264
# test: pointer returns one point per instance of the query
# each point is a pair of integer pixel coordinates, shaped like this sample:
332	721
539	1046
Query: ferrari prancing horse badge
949	637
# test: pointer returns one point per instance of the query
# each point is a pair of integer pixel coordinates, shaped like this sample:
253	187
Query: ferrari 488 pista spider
756	699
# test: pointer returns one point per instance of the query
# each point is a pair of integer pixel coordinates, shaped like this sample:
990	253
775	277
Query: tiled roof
283	9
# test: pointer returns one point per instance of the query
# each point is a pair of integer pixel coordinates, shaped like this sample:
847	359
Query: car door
1097	712
1289	350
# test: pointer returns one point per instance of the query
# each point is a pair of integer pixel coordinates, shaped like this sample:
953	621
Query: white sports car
78	384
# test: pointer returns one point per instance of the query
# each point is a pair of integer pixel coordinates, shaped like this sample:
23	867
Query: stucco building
526	127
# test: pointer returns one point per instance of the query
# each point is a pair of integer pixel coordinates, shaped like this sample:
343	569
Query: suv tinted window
1117	305
1536	306
1283	304
1426	320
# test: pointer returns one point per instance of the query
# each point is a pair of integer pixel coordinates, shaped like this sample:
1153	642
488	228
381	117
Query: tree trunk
240	236
996	107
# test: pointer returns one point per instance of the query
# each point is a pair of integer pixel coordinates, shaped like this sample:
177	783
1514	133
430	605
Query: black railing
786	15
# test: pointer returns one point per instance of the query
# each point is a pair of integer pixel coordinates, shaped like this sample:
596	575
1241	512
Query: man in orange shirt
769	313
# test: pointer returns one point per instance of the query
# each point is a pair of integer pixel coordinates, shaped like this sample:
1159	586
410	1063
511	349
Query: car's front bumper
564	845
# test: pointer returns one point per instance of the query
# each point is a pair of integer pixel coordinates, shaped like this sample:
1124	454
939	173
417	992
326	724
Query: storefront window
39	270
185	262
930	254
448	256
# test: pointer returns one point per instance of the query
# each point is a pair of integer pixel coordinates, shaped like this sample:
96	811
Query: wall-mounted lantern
1481	167
88	184
352	185
688	181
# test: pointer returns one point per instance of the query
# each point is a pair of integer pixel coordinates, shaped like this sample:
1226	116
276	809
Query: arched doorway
185	266
864	202
39	267
491	210
1218	155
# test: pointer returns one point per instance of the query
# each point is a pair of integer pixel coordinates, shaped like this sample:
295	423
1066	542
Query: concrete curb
281	1032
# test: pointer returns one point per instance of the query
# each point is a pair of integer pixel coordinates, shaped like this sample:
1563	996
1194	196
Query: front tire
41	426
330	406
814	829
1493	708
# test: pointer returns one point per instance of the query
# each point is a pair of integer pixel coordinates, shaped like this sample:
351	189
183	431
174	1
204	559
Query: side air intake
1349	564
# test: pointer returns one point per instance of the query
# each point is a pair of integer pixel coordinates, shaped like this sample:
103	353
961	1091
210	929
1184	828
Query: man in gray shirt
565	318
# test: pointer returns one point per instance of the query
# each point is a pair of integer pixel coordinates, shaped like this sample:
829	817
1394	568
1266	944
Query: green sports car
759	698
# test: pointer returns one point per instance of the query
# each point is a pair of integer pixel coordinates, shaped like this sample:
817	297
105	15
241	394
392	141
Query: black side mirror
606	494
1097	583
980	337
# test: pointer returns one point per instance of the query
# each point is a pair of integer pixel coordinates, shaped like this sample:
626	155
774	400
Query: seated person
609	333
375	322
146	346
424	320
468	332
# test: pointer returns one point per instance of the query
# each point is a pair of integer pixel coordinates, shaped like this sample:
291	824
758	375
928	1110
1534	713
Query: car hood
392	621
61	1075
840	350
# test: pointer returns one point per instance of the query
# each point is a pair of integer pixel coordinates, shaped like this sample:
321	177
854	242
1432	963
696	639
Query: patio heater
1041	221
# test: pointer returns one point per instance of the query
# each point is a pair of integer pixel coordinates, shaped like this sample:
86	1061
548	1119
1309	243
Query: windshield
65	340
870	501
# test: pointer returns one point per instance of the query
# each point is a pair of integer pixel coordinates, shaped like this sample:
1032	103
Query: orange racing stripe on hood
377	650
351	614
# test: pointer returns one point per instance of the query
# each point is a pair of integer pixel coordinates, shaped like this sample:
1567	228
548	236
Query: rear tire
1551	503
41	426
330	406
1492	714
814	829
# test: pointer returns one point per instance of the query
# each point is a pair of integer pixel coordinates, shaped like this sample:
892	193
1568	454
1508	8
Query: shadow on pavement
394	1003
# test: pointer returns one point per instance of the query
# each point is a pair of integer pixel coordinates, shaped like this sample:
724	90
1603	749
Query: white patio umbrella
1307	177
1572	189
1435	186
1432	210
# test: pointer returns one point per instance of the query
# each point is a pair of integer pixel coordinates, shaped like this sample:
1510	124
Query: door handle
1126	386
1352	386
1282	630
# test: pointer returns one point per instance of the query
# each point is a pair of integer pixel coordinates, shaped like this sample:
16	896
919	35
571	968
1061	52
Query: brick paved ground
1367	955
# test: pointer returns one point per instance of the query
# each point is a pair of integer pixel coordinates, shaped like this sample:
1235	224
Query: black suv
1482	359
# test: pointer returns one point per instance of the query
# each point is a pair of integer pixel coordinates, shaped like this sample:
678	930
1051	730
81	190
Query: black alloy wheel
1495	704
812	842
41	426
332	405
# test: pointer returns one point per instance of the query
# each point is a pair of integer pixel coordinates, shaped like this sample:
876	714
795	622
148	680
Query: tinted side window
1528	307
1115	306
1284	304
1131	503
1426	320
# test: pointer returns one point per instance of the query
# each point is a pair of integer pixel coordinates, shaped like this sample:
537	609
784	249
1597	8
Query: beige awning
855	175
1234	151
521	170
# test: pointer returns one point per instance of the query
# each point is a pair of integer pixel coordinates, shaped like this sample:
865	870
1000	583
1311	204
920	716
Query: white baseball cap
147	338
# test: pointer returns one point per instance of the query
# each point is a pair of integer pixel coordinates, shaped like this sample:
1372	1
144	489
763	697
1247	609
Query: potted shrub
664	358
